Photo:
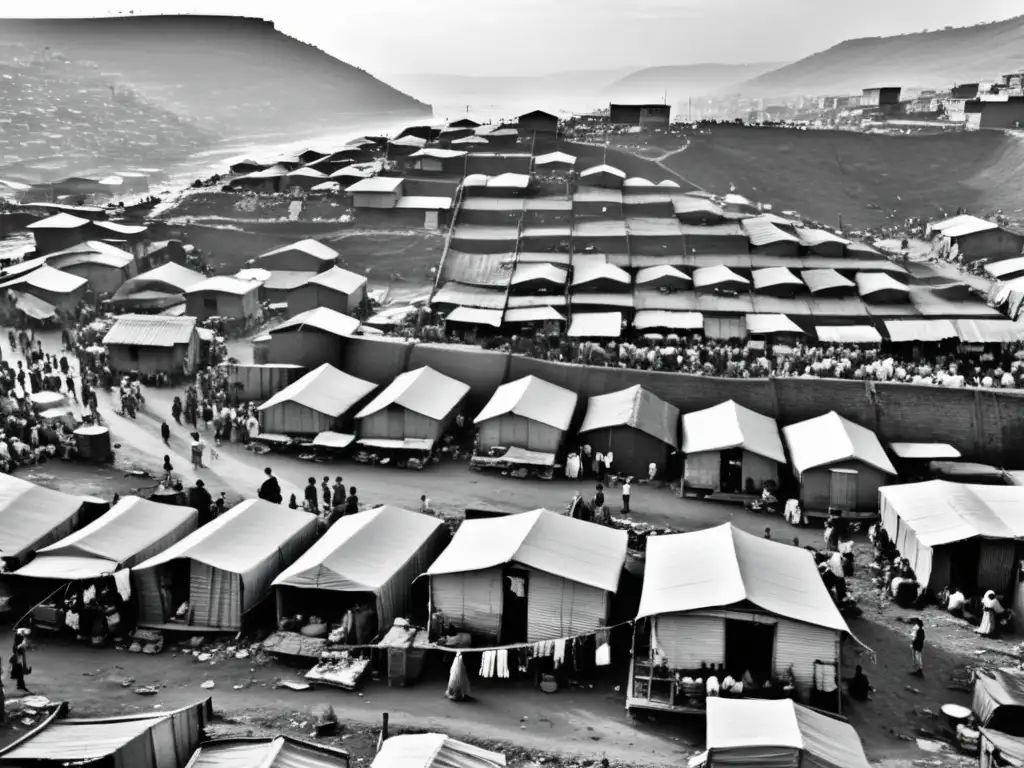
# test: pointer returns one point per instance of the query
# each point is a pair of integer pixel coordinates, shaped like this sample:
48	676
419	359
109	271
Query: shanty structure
636	426
226	297
149	740
731	449
999	701
603	176
537	123
881	288
315	403
267	752
759	732
336	289
719	278
976	238
723	596
224	569
62	290
840	465
33	517
776	281
374	555
824	283
528	577
105	266
957	534
311	338
417	405
153	344
132	531
433	750
303	256
158	288
376	192
59	231
528	413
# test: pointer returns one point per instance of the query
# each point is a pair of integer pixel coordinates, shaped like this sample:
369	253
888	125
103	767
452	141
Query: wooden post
384	727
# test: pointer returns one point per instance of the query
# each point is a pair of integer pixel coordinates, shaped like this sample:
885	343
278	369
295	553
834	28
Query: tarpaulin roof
723	566
29	513
876	282
224	284
46	278
707	277
361	552
169	274
433	750
118	539
321	319
760	231
592	271
942	512
325	390
848	334
475	316
771	323
338	279
275	752
59	221
90	252
829	439
548	272
989	331
240	539
375	185
920	330
533	399
533	315
32	306
730	425
555	158
311	173
999	699
749	724
769	277
825	279
813	237
331	439
150	330
655	318
1006	269
925	450
969	228
683	204
423	391
604	168
633	407
469	296
308	246
664	274
562	546
956	221
595	325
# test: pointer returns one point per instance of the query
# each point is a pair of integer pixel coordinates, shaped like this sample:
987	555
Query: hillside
825	174
680	82
236	76
927	59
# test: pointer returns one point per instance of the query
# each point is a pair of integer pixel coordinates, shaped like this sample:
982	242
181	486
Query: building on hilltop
999	112
537	123
657	115
880	97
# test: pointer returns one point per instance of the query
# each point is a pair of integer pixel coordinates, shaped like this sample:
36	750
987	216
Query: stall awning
920	330
759	324
673	321
475	316
848	334
596	325
725	328
989	331
924	451
333	440
533	315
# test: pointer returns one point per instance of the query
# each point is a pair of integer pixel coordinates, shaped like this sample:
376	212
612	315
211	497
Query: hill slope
683	81
823	174
237	76
927	59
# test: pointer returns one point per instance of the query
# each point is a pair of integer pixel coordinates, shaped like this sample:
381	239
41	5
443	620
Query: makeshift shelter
766	237
554	161
376	192
224	569
881	288
311	337
157	288
759	732
336	289
267	752
531	279
303	256
827	282
719	278
226	297
433	750
664	276
599	276
132	531
419	404
528	577
637	426
61	230
840	465
315	403
153	344
33	517
304	178
603	176
955	534
723	596
61	289
999	700
731	449
31	307
527	413
105	266
776	281
149	740
375	555
997	750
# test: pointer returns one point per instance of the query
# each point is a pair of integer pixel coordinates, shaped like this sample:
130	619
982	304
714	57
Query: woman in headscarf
991	609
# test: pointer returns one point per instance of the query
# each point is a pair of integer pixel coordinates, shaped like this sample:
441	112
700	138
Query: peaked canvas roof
423	391
151	330
730	425
723	566
663	274
427	750
29	513
116	540
90	252
555	158
170	274
46	278
829	439
307	246
604	168
761	231
633	407
533	399
562	546
772	276
325	390
340	280
361	552
744	724
322	319
704	277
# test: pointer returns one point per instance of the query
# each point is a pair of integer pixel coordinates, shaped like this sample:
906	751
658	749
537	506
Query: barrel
93	443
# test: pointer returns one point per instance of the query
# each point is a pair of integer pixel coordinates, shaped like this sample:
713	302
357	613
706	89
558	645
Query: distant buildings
997	112
652	115
880	97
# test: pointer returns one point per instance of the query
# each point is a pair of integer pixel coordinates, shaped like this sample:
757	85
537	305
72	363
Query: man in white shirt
626	489
608	457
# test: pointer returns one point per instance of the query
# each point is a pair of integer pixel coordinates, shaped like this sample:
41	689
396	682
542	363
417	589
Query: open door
842	489
515	586
749	647
731	478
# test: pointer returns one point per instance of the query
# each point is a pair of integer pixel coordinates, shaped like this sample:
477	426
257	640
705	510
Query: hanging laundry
517	585
501	658
603	655
559	652
458	680
123	582
524	660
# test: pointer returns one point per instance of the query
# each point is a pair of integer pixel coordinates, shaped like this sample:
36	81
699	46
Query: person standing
626	490
176	410
325	490
352	502
917	646
310	496
165	433
270	490
608	458
19	659
338	493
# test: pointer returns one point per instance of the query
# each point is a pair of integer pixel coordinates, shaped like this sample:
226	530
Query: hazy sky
510	37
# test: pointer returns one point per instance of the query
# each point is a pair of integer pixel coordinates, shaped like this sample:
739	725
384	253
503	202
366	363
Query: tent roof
996	688
723	566
590	271
46	278
325	390
825	279
59	221
90	252
595	325
170	273
920	330
848	334
771	323
533	399
32	306
240	539
128	528
224	284
322	319
704	277
813	237
151	330
536	271
427	750
730	425
553	158
28	512
752	723
760	231
341	280
664	273
361	552
942	512
475	316
829	439
772	276
533	315
633	407
875	282
423	391
562	546
308	246
603	168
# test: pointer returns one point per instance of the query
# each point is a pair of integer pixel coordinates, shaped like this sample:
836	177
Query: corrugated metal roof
989	331
340	280
59	221
964	224
423	391
683	204
533	399
533	315
920	330
723	566
489	270
942	512
848	334
603	168
599	228
287	279
709	277
677	321
249	752
562	546
760	231
770	277
325	390
79	742
91	251
818	280
433	750
595	325
46	278
654	227
224	284
469	296
771	323
475	316
150	331
633	407
730	425
322	319
376	185
170	274
1006	269
829	439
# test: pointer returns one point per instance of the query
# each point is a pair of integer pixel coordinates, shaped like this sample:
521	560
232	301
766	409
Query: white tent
730	425
32	517
314	403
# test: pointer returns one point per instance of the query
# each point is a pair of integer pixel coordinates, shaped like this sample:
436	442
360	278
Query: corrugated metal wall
557	607
689	640
471	601
997	564
758	469
147	596
216	597
799	645
293	419
398	423
704	470
512	430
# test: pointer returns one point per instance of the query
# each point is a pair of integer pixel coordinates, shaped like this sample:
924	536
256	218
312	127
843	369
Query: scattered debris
147	690
207	684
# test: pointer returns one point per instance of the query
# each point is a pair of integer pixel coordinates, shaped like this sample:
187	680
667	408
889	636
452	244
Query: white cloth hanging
517	585
123	582
501	657
559	652
603	655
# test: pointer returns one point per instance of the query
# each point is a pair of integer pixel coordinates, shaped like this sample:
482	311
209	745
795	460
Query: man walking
917	645
626	489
